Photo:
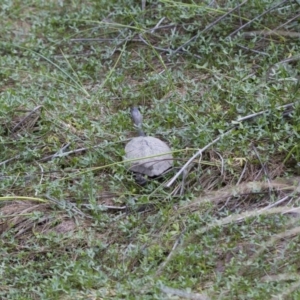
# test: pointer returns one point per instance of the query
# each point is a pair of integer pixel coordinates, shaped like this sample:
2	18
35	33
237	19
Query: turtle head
137	120
136	116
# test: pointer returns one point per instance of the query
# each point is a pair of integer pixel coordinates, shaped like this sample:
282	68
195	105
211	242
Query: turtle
155	155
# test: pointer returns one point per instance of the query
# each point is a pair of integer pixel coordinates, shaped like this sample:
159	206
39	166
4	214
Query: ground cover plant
219	76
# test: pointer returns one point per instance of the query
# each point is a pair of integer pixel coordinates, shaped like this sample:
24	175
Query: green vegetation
73	222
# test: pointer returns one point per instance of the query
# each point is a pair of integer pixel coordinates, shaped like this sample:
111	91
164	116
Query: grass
73	222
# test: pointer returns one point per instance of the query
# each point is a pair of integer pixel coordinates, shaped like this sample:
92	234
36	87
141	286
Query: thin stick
62	154
105	207
257	17
276	203
276	33
207	28
26	117
61	150
199	152
243	172
263	112
8	160
162	266
157	25
64	204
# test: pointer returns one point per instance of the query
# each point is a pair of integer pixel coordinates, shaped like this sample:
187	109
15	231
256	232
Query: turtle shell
156	156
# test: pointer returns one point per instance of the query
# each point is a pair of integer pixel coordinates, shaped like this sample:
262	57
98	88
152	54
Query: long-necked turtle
155	155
